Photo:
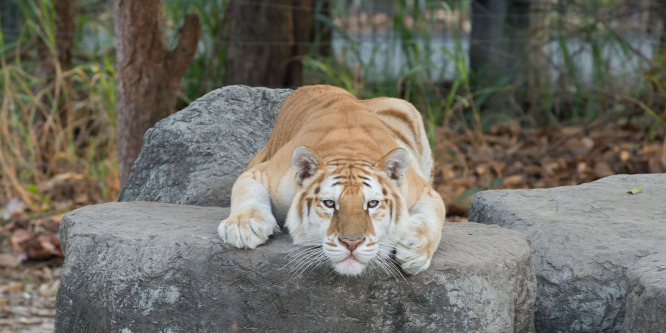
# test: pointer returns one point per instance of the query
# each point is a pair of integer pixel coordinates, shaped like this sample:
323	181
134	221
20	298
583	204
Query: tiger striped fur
352	179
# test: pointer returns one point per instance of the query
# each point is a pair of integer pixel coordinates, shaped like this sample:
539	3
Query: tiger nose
351	245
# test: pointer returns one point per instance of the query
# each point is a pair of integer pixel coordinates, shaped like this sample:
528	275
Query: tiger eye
373	203
329	203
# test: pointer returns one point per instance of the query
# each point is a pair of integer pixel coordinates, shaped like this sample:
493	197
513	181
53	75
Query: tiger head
347	212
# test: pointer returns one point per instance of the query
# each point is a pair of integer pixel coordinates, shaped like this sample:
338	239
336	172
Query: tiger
350	178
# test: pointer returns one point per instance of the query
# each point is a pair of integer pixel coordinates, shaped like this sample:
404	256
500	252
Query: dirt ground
508	156
30	267
27	297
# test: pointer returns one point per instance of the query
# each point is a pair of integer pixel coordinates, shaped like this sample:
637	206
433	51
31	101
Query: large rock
195	155
646	300
154	267
599	253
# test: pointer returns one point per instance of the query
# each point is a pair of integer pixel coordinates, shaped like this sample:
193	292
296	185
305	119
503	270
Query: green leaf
32	188
636	190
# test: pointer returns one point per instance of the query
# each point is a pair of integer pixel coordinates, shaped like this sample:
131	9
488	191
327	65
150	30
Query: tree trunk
267	50
65	32
64	41
498	40
661	8
538	77
148	73
10	20
322	33
48	61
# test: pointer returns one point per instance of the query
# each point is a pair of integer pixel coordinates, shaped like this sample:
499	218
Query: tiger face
348	212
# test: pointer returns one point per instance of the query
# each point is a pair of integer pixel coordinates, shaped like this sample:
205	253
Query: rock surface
195	155
155	267
646	301
599	253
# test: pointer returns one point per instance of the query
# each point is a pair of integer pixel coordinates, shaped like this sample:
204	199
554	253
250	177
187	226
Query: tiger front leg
251	221
418	243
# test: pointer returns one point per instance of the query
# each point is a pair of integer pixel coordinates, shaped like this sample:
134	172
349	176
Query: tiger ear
305	161
395	163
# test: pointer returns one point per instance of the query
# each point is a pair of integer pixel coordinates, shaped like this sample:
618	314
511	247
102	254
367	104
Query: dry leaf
602	169
18	238
624	156
655	165
15	287
514	181
8	260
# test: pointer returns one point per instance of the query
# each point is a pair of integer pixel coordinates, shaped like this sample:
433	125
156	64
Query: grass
561	95
84	143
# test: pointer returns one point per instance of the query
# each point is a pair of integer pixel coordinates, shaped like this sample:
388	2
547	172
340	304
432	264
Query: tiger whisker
389	268
396	271
306	259
295	263
385	258
301	248
295	259
378	263
306	243
316	261
299	252
383	267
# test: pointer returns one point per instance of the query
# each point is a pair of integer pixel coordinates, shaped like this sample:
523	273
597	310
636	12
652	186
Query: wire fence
566	55
387	38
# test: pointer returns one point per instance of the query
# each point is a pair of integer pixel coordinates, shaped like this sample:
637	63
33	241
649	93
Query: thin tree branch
179	59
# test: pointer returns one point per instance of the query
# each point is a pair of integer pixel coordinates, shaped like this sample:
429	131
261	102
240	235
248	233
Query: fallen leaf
81	198
41	248
624	155
581	167
481	169
513	181
655	165
8	260
15	287
18	238
636	190
42	312
29	321
602	169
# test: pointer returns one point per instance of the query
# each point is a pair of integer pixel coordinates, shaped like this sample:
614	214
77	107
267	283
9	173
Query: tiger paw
412	255
247	229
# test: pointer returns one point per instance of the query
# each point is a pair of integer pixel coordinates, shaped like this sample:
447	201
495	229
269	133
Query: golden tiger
352	178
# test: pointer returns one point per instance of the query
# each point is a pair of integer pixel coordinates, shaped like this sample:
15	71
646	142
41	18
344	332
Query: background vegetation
584	62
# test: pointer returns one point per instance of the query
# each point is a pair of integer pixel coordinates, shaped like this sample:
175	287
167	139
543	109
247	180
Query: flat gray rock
194	156
599	253
155	267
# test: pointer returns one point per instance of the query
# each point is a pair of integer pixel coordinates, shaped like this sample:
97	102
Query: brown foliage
513	157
